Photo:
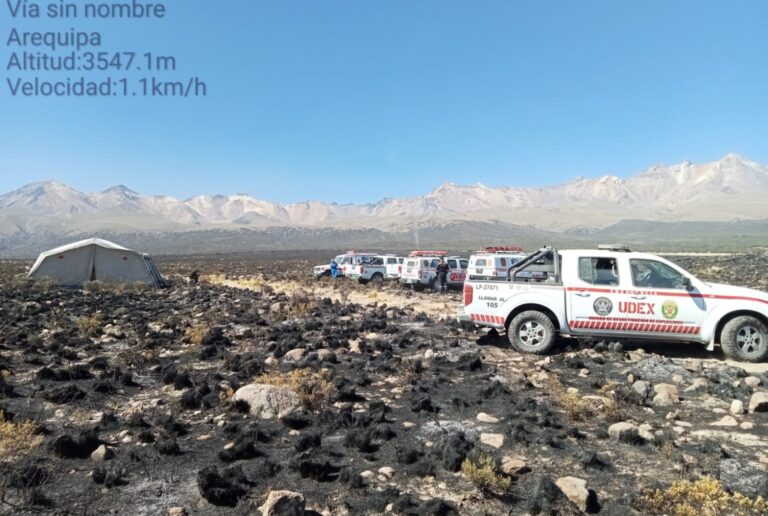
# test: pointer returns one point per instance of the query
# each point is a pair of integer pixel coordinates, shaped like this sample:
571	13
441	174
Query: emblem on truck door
669	309
602	306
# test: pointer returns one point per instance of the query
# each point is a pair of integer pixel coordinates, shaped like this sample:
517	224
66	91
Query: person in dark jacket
194	277
442	275
334	269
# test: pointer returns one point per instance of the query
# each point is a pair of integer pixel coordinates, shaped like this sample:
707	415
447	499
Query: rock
641	387
666	395
747	425
698	383
742	478
737	407
271	361
752	381
102	453
354	346
513	465
295	355
495	440
429	354
645	431
575	489
283	503
177	511
391	314
276	307
326	355
624	432
268	401
387	472
487	418
759	402
725	421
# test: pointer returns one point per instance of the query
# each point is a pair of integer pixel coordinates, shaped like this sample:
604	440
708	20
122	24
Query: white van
494	262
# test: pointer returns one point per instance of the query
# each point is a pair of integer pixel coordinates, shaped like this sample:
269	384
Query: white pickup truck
613	293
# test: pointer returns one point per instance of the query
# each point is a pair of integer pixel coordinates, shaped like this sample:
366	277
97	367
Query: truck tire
745	338
377	278
418	287
531	332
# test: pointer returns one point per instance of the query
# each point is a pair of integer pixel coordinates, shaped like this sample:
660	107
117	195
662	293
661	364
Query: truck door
591	301
455	274
659	301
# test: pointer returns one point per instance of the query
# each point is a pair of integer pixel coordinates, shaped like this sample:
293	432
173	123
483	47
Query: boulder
513	465
283	503
737	407
487	418
102	453
268	401
752	381
641	387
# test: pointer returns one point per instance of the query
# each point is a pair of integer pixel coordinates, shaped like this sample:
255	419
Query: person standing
442	275
334	269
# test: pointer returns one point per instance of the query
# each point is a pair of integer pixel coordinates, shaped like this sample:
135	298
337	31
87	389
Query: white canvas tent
95	259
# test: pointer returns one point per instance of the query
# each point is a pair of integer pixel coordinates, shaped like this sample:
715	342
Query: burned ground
128	397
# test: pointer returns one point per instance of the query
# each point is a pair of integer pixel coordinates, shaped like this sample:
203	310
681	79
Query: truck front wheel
531	332
745	338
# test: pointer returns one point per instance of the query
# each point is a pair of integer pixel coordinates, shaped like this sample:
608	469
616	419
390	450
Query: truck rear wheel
745	338
377	278
531	332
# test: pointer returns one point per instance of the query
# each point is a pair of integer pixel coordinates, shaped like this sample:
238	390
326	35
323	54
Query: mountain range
725	191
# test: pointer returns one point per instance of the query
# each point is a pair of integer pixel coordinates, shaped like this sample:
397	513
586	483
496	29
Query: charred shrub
222	487
78	447
452	449
109	476
64	395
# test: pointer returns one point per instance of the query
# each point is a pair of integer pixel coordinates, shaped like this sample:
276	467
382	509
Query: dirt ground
373	401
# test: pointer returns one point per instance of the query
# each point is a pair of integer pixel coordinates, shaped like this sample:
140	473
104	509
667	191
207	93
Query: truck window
653	274
412	263
481	262
503	262
464	263
434	263
391	261
543	269
452	264
599	271
425	264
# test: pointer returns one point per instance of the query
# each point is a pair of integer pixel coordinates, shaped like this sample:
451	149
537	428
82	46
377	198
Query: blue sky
353	101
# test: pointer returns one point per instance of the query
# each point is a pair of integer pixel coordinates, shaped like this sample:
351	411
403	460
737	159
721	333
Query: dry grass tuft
703	497
197	332
17	439
315	388
580	408
482	473
89	326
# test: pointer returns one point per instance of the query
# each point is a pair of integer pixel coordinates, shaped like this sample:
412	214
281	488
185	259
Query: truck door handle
583	294
637	297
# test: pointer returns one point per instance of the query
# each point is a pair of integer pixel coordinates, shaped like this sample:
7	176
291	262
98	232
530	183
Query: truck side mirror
687	283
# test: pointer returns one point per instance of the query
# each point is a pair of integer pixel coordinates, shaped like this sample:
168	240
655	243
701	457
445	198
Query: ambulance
344	261
614	293
494	263
419	270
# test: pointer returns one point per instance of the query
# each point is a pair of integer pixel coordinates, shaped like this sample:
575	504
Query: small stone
494	440
513	465
759	402
646	432
624	431
575	489
725	421
752	381
354	346
747	425
367	474
737	407
102	453
387	472
584	372
678	379
572	390
283	503
295	355
177	511
271	361
487	418
429	354
408	424
391	314
666	395
641	387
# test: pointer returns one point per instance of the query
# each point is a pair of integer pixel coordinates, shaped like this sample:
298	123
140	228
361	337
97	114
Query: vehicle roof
604	253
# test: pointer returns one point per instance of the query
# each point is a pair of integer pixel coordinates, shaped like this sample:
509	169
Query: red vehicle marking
666	294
